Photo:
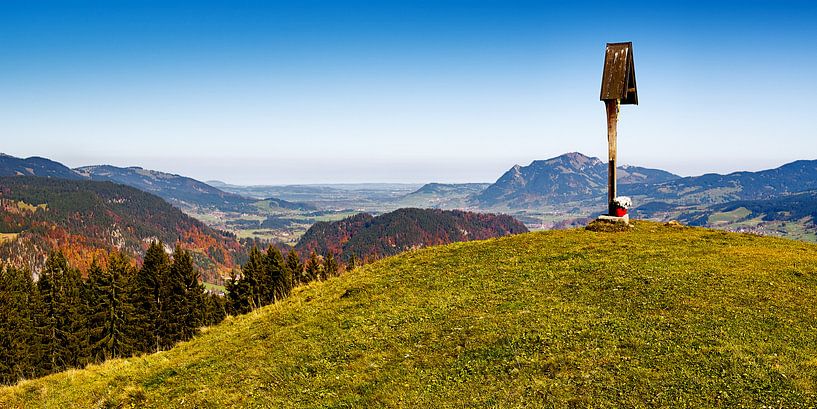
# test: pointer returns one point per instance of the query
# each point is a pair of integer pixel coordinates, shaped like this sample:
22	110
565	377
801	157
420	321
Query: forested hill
34	166
367	237
184	192
179	190
85	219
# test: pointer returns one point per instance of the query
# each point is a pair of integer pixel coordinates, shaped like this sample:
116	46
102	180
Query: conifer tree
19	338
38	319
295	268
313	267
60	288
274	274
184	305
112	312
238	295
252	274
214	309
287	279
353	263
93	292
149	294
330	266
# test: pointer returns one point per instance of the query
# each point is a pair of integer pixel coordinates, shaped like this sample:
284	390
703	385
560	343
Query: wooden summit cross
617	88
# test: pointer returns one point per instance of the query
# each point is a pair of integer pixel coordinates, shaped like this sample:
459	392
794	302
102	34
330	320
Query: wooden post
612	122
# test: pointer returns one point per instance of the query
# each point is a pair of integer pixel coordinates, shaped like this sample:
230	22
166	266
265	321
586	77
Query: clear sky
402	91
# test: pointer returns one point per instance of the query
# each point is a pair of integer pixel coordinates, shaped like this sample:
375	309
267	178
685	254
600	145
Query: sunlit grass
654	316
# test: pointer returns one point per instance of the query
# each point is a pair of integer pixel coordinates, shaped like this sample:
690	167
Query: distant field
214	287
297	224
729	217
8	236
651	317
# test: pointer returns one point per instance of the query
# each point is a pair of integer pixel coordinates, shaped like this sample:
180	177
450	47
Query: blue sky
401	91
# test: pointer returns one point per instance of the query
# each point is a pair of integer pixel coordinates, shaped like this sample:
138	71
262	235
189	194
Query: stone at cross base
614	219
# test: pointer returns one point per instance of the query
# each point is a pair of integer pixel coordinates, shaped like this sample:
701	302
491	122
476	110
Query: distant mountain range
181	191
545	193
568	178
369	237
35	166
86	219
780	201
714	188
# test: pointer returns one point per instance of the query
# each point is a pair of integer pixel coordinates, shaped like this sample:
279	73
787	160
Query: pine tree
112	313
214	309
184	312
149	294
60	288
238	295
287	279
252	274
313	268
330	266
274	272
39	319
19	338
295	268
353	263
93	293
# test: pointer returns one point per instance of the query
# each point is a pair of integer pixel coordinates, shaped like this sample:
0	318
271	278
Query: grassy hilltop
655	316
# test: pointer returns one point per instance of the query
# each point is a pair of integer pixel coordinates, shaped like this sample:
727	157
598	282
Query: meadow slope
655	316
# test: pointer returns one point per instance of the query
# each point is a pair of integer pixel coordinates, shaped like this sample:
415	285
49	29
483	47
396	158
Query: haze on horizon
395	91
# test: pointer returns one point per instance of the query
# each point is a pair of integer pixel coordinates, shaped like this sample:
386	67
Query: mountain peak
575	155
570	177
575	160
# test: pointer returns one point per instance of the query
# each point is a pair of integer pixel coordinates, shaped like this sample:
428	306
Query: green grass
798	230
214	287
654	316
729	217
266	207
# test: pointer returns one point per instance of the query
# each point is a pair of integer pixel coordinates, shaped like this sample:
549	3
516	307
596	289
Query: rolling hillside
666	317
179	190
441	195
86	219
371	237
184	192
35	166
